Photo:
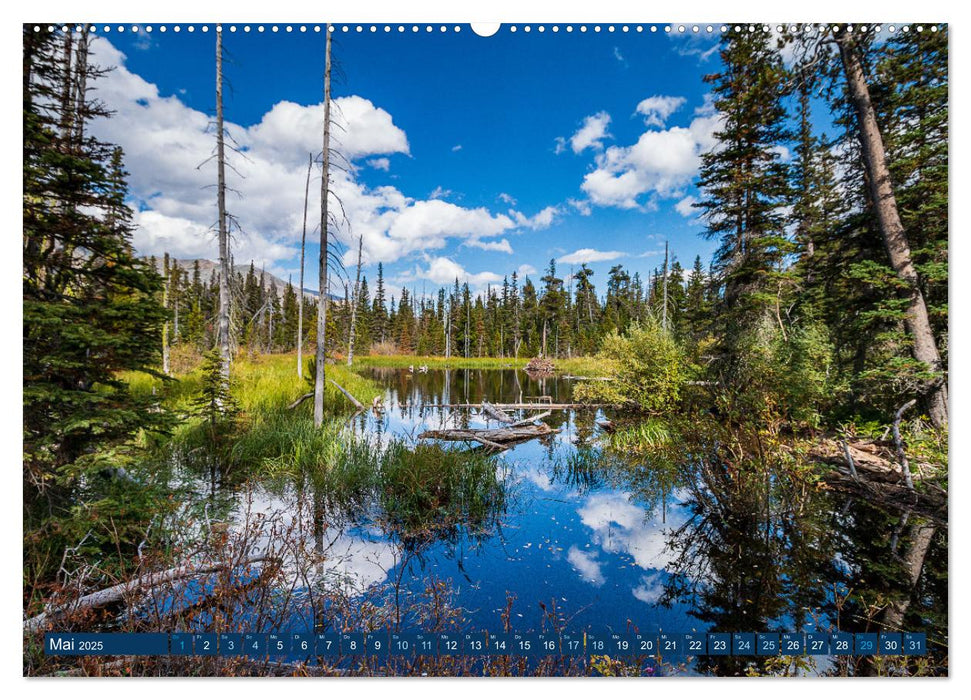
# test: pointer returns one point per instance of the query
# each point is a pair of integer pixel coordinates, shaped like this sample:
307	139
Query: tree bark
917	320
224	274
354	300
303	247
322	300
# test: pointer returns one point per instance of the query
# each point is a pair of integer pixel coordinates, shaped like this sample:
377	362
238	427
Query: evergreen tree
91	310
744	183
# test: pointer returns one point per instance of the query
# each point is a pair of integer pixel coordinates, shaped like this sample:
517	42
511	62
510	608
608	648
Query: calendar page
516	349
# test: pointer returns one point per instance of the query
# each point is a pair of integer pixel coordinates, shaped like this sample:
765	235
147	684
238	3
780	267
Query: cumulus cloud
507	198
659	165
441	270
658	108
501	246
542	219
457	147
167	144
592	133
525	269
589	255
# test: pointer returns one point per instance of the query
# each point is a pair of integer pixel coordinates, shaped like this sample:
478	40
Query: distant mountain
207	267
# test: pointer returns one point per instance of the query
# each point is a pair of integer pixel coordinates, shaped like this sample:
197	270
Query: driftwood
589	379
118	593
496	439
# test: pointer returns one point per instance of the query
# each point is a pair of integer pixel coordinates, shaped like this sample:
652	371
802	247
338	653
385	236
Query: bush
782	375
647	368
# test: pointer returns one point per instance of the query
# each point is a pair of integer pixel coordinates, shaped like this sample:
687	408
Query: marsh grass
430	490
589	366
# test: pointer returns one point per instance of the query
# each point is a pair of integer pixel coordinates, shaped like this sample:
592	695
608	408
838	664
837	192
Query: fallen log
357	404
309	395
117	593
494	438
496	413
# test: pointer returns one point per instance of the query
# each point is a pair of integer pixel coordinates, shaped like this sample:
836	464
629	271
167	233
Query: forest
809	354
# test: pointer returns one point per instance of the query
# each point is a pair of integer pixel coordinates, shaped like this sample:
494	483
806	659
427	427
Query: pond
587	538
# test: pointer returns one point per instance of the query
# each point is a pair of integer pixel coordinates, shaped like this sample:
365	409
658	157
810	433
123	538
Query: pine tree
91	310
744	183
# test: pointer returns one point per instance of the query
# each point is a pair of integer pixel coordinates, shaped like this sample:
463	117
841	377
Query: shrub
647	367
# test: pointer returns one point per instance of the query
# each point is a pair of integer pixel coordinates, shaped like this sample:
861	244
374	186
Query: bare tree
322	301
303	246
224	270
167	270
895	238
354	300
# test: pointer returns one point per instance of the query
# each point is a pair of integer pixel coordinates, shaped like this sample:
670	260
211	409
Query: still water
611	542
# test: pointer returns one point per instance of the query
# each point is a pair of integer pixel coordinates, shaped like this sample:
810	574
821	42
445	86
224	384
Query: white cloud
507	198
620	57
525	269
501	246
542	219
166	143
439	193
658	108
685	207
589	255
592	133
581	205
660	164
456	147
443	271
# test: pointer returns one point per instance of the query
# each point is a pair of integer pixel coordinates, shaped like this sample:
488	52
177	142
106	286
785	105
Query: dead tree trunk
224	274
917	320
303	247
354	300
319	379
166	367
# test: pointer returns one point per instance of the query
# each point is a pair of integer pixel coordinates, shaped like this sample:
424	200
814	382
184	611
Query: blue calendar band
345	644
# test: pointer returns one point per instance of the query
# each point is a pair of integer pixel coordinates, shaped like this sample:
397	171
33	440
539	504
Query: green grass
588	366
260	385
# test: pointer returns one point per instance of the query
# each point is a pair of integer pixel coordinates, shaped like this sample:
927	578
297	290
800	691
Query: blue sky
469	156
